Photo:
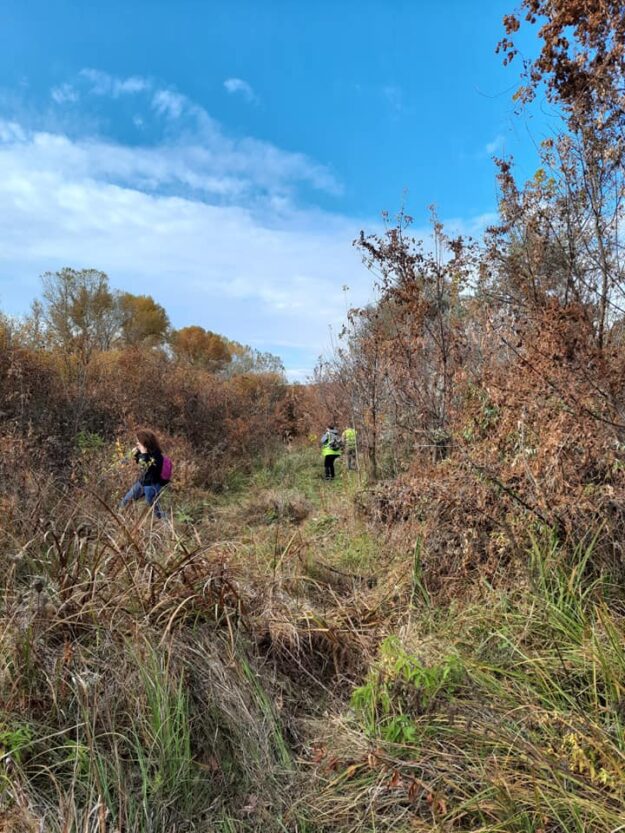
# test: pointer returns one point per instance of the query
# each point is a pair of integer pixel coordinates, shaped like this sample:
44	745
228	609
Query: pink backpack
167	469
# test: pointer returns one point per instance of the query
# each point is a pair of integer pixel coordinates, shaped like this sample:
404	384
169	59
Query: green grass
503	716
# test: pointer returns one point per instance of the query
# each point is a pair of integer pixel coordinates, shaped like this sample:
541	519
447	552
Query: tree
79	312
581	61
201	348
247	360
559	235
418	320
6	332
575	213
361	372
142	320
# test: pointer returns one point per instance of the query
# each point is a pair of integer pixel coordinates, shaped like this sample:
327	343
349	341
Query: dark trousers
328	462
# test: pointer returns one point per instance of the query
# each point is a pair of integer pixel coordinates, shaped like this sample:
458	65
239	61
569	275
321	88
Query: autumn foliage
487	378
89	366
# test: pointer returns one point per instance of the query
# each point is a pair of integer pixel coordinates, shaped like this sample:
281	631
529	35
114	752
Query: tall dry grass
152	674
266	662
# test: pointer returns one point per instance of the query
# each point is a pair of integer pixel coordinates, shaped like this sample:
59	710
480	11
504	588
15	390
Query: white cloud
236	267
496	145
299	374
238	85
212	226
64	94
206	159
11	131
102	83
248	171
169	103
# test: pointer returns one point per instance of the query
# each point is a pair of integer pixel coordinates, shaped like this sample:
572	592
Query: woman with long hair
149	457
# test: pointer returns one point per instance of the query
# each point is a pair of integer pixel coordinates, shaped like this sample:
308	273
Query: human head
148	440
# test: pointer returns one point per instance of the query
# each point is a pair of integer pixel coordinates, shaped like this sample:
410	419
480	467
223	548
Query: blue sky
222	156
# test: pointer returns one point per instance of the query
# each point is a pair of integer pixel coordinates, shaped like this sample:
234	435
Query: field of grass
266	661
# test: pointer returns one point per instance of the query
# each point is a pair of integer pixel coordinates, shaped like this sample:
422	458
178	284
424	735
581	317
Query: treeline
88	365
80	315
489	375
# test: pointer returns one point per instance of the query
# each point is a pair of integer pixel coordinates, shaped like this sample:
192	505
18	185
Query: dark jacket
151	464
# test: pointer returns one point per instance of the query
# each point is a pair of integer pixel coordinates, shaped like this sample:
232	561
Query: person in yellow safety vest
349	443
330	450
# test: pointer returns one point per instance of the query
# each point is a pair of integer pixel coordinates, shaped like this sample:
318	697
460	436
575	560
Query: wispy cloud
239	86
394	97
253	275
495	145
195	152
65	93
102	83
169	103
222	230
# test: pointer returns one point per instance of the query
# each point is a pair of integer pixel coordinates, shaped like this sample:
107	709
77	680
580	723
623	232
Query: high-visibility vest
326	449
349	437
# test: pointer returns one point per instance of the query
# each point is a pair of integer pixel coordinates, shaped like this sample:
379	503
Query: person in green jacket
330	450
349	443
